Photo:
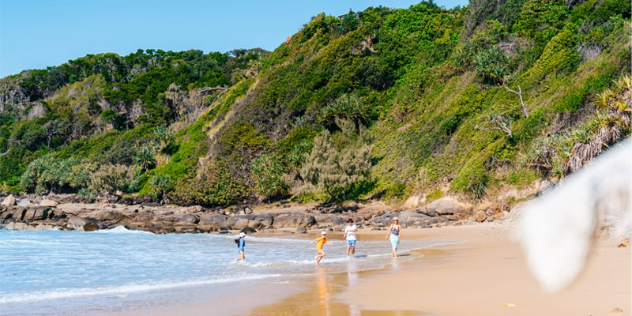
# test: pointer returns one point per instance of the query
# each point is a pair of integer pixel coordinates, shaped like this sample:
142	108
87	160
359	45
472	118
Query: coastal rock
301	230
385	218
44	227
17	213
104	215
9	200
248	230
36	213
213	222
189	219
78	223
294	220
445	206
499	216
238	222
49	203
426	211
413	219
5	213
186	229
24	202
480	216
17	226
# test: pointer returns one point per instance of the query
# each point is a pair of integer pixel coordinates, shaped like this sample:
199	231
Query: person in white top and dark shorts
350	237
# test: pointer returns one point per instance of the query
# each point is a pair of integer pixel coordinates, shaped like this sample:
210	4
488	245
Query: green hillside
379	104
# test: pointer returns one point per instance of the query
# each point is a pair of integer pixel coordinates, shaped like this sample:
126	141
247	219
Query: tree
335	172
268	174
111	178
498	123
165	138
145	158
160	185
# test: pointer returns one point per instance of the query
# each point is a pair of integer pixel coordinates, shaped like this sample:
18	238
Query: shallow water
65	272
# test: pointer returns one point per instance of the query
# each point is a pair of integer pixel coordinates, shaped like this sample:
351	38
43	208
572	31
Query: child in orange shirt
319	246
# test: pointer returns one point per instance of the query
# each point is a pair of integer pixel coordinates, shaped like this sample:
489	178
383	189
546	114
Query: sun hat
395	218
242	234
323	233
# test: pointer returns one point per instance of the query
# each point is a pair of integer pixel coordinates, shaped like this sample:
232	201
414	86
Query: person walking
321	241
241	244
350	237
394	234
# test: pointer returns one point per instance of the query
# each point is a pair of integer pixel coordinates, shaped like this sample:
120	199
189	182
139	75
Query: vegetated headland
451	115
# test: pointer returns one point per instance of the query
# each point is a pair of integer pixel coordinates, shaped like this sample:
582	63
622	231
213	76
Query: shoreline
486	275
262	297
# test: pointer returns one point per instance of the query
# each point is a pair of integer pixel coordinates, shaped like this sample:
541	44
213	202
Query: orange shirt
320	242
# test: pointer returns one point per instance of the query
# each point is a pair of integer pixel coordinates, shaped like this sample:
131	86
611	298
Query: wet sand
486	275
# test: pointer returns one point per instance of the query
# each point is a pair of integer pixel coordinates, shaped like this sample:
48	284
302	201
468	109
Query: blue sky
37	33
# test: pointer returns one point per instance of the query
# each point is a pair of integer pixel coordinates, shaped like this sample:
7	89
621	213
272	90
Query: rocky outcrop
78	223
50	212
293	220
49	203
9	201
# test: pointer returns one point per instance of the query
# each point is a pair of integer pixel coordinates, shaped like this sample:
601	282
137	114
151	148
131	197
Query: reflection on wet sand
319	296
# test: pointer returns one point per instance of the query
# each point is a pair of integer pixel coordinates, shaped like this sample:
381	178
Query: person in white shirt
350	237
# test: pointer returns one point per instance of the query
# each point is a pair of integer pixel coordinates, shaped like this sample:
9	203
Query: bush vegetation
357	106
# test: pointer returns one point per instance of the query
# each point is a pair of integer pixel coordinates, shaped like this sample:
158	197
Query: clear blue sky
39	33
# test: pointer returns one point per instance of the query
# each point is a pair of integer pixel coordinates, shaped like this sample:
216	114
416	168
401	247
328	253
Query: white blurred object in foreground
557	230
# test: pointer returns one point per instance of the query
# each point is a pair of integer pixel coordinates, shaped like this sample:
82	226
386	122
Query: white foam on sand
121	230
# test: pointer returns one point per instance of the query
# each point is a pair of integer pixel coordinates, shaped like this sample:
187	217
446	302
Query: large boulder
480	216
36	213
9	200
213	222
78	223
17	226
24	202
383	219
413	219
49	203
239	222
264	220
443	206
189	219
105	215
248	230
294	220
17	213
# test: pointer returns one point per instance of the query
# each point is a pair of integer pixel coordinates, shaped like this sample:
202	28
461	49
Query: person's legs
351	247
320	256
394	245
242	256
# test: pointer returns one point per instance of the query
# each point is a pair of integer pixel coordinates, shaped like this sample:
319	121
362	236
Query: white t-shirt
350	234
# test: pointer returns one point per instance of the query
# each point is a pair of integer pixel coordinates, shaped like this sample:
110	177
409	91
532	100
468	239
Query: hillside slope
380	104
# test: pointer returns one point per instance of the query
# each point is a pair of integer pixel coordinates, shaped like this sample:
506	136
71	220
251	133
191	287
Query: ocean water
110	271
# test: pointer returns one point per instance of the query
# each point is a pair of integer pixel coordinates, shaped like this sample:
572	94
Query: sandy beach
484	275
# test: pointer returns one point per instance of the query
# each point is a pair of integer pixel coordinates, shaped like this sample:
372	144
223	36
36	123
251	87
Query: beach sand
486	275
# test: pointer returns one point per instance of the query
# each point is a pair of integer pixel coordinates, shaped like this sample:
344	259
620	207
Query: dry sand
487	273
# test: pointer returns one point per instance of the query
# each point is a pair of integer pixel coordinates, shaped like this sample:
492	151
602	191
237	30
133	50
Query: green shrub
52	174
111	178
332	171
267	172
214	187
160	186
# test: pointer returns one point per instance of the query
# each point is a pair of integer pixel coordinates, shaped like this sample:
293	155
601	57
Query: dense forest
378	104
